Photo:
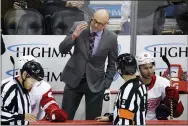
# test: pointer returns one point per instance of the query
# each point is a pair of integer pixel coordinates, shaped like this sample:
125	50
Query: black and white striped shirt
15	103
131	104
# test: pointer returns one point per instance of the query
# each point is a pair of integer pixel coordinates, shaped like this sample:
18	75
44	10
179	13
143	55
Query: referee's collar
129	81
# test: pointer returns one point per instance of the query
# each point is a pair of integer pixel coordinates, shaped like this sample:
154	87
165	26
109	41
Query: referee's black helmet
126	64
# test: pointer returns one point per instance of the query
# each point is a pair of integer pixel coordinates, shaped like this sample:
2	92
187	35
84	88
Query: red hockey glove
58	115
171	93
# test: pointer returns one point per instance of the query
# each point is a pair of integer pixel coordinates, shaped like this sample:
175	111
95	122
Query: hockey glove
171	93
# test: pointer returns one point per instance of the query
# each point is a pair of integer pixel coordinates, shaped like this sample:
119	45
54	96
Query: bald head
102	14
100	20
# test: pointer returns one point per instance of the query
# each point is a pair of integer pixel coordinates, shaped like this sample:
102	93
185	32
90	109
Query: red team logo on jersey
153	103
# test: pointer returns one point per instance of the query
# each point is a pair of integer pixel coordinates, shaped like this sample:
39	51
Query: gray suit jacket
97	78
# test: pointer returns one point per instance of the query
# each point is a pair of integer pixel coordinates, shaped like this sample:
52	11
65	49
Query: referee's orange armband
124	113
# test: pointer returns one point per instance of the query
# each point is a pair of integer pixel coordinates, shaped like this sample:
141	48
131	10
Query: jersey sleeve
48	102
8	96
178	110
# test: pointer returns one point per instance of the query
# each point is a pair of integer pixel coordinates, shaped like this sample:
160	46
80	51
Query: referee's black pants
73	96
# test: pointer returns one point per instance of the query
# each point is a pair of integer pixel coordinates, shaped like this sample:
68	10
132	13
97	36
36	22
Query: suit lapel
86	40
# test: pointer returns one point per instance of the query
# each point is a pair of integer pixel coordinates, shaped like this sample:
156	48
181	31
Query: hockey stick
12	60
168	65
170	79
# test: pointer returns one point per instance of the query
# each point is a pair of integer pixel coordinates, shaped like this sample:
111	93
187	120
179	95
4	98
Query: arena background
45	48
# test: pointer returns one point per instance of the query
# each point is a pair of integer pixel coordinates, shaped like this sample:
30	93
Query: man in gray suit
84	73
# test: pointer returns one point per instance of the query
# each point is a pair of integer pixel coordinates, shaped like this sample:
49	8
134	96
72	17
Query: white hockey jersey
41	98
156	93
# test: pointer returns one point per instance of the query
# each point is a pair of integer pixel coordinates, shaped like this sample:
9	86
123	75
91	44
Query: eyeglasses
99	23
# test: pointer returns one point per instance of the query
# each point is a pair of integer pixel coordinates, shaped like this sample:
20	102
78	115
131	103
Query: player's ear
24	74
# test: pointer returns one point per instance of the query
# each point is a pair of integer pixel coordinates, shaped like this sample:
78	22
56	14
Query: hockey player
43	103
131	102
159	90
16	105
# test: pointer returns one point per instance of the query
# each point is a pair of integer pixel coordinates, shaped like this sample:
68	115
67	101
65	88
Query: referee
131	103
15	105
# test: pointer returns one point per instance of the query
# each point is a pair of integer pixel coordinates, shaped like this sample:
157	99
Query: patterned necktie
91	43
